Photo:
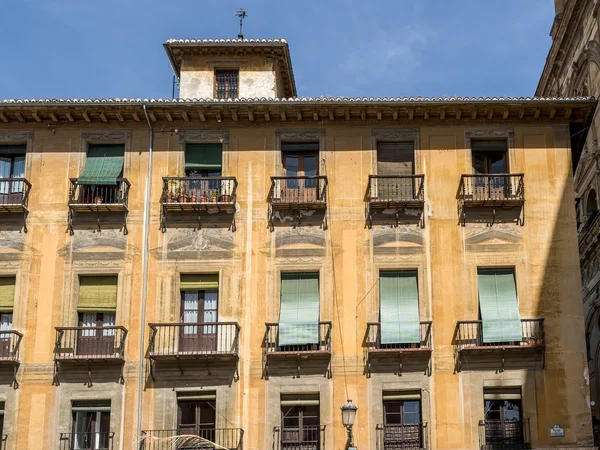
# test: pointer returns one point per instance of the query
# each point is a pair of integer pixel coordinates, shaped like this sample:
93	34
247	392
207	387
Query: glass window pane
187	413
412	406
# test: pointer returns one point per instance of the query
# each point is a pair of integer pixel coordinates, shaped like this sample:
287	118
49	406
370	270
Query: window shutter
97	294
498	305
103	165
7	293
395	158
198	282
203	156
399	307
299	146
299	315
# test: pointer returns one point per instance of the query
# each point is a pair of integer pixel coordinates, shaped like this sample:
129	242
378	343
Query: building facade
227	269
572	68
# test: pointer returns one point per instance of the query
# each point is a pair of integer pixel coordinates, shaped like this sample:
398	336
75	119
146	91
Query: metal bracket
502	355
400	367
25	213
15	383
70	223
89	383
56	377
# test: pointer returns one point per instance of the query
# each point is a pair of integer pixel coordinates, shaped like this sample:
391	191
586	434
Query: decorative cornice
393	134
18	136
488	133
113	136
203	136
300	135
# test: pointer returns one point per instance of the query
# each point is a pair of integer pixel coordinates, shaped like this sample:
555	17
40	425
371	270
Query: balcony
400	357
397	197
10	343
295	438
214	344
89	345
501	194
14	197
211	438
308	358
291	197
86	441
105	199
504	434
183	196
402	437
473	353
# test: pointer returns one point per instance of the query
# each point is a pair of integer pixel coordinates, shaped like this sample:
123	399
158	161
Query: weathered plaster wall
348	256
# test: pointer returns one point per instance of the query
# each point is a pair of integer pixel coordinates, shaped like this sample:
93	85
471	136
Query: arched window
592	204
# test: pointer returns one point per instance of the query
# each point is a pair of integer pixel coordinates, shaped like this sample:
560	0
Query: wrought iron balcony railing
295	438
86	441
388	191
402	437
90	343
10	343
323	344
96	197
193	340
291	192
14	194
492	189
504	434
374	344
193	193
469	336
193	438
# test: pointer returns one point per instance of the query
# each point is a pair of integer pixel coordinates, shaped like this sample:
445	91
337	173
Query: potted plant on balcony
98	199
173	190
214	196
181	195
203	198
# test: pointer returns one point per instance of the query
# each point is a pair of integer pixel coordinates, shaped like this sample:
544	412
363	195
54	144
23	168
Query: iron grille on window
227	83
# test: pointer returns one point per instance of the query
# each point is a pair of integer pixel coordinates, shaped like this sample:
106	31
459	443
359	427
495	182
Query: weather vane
242	15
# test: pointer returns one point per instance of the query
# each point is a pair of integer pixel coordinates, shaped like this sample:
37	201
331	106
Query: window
100	178
399	307
503	421
7	299
12	165
592	203
299	312
91	425
300	165
196	415
226	83
96	311
205	161
498	305
300	421
489	157
199	304
395	158
402	420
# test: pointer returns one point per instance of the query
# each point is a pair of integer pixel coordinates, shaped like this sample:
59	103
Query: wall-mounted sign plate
557	431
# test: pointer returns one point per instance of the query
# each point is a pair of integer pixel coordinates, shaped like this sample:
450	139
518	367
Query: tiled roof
226	41
140	101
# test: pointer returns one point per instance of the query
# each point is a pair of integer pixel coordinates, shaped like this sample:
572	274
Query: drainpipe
146	232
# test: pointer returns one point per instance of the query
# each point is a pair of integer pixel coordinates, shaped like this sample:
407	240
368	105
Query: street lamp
348	417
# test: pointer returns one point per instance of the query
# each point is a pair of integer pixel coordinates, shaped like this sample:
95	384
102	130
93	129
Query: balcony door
93	342
490	158
12	165
197	418
91	426
503	420
199	306
300	160
301	423
395	160
402	422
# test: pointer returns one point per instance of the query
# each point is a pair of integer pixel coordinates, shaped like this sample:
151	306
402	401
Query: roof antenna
242	15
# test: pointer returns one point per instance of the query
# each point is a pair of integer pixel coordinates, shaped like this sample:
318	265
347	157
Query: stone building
573	68
237	263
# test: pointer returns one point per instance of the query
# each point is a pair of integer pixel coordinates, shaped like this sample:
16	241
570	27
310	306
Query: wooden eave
236	113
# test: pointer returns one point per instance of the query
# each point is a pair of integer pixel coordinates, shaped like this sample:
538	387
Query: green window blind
7	293
198	282
498	305
203	156
399	307
299	315
97	294
104	164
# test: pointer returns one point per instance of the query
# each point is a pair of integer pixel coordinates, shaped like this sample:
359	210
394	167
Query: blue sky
112	48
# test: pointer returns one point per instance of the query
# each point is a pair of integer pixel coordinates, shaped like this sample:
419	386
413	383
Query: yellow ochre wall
46	261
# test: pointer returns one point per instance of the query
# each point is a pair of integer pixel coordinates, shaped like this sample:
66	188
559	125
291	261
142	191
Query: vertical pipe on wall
146	232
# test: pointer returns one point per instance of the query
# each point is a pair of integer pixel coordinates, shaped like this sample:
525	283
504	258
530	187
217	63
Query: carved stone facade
573	69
